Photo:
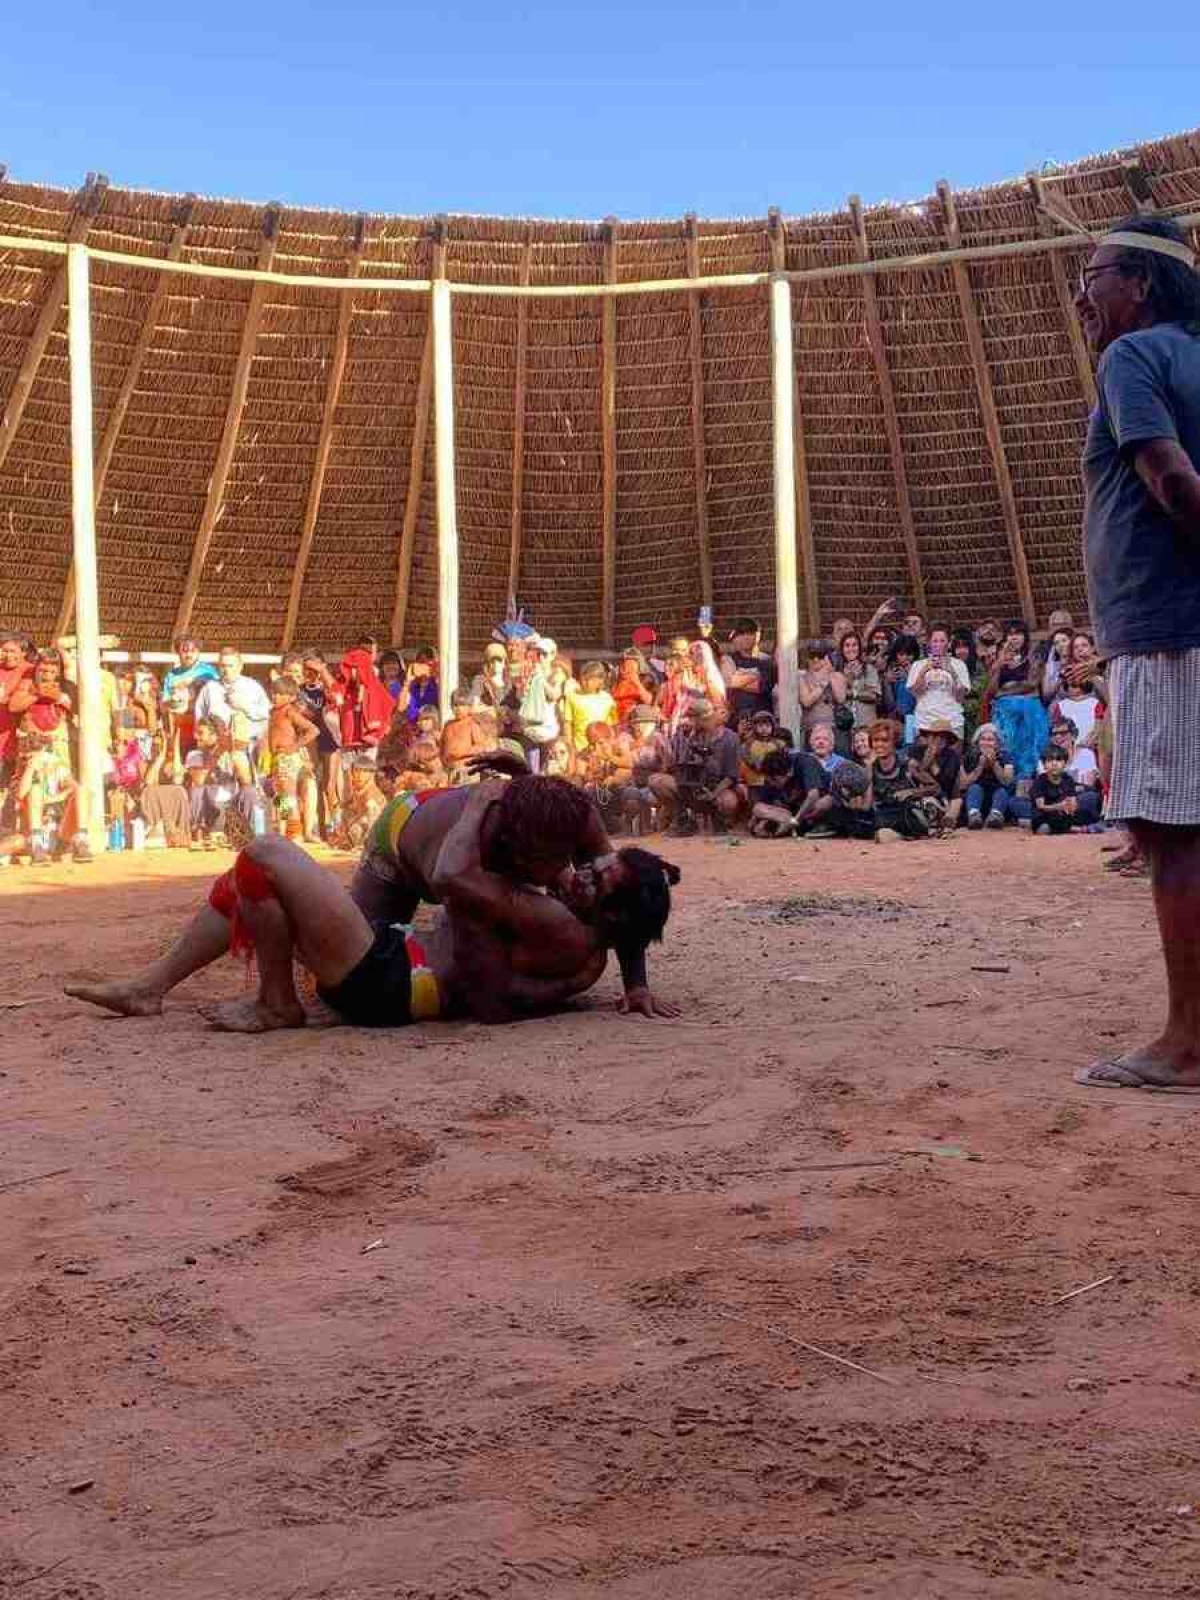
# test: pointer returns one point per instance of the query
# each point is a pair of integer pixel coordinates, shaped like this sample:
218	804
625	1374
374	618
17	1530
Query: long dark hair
1173	287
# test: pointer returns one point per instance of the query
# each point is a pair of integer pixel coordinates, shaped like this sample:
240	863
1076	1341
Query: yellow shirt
580	710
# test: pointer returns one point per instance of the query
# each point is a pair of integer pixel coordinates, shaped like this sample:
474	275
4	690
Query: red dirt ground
566	1372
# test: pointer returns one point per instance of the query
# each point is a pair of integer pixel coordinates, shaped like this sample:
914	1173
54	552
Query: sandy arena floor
570	1369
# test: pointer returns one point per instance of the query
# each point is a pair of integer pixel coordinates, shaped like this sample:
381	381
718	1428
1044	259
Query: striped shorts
1156	738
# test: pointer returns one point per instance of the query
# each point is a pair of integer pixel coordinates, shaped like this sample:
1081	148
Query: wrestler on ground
498	952
531	831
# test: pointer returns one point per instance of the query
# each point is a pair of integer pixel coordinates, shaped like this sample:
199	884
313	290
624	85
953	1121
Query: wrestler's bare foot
252	1015
123	998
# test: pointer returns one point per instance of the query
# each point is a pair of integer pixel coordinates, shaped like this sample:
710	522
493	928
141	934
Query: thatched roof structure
224	409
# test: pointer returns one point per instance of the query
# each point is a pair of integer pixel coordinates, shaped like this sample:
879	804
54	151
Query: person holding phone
940	683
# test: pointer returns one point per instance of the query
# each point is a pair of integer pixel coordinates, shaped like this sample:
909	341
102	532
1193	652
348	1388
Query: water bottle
116	834
258	818
137	834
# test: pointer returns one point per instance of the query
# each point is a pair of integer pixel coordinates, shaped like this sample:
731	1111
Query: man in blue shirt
1139	303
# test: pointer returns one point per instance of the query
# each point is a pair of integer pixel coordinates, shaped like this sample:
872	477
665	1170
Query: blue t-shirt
1143	571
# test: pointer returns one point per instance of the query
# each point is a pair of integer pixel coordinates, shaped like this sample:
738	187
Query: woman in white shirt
940	683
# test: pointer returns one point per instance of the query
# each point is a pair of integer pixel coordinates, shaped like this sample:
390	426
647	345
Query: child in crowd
363	800
290	736
761	740
590	703
558	759
630	689
424	769
46	801
461	738
605	766
1053	794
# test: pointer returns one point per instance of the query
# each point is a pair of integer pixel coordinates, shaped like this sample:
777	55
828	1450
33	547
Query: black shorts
377	993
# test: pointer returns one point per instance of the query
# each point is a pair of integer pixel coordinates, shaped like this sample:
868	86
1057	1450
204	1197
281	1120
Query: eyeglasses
1088	274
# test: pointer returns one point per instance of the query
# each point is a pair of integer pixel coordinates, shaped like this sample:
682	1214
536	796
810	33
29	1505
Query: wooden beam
891	421
93	735
810	586
214	502
987	407
316	483
416	454
699	450
608	440
120	406
516	521
441	319
1062	289
87	204
787	611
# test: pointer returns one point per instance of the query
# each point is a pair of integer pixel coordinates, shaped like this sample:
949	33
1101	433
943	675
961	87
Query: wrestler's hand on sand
641	1003
504	761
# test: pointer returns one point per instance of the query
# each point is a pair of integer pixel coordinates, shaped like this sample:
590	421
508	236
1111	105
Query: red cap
644	635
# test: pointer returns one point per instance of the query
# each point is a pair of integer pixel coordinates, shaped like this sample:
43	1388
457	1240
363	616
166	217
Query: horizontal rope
737	280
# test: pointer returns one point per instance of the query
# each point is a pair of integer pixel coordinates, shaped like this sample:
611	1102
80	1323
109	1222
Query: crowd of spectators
907	729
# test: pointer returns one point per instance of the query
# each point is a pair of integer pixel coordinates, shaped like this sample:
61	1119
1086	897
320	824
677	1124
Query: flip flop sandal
1107	1075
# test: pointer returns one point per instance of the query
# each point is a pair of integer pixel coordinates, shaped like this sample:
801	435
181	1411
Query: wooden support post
416	454
811	609
516	524
316	483
787	613
987	407
88	203
93	736
214	502
1062	289
887	397
120	406
608	427
447	515
699	451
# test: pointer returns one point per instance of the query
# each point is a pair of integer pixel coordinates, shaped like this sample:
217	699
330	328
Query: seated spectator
218	779
461	738
424	768
631	688
758	741
164	801
1014	686
779	798
987	779
934	769
896	800
1083	768
1053	795
46	804
649	758
367	790
701	784
860	746
291	734
588	704
558	760
836	792
939	683
605	767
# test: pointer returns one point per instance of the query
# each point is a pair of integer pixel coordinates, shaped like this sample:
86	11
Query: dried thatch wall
156	484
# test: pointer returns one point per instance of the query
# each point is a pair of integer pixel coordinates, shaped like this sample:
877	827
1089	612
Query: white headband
1151	241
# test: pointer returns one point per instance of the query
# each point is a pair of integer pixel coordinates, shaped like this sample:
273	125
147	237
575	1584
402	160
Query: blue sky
552	110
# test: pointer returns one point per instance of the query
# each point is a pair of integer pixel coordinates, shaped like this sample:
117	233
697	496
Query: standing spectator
365	708
291	733
864	685
181	685
490	685
940	684
631	690
749	674
987	779
821	688
1015	690
539	720
461	738
390	668
15	671
319	698
899	702
237	704
1139	302
1058	656
420	688
590	702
